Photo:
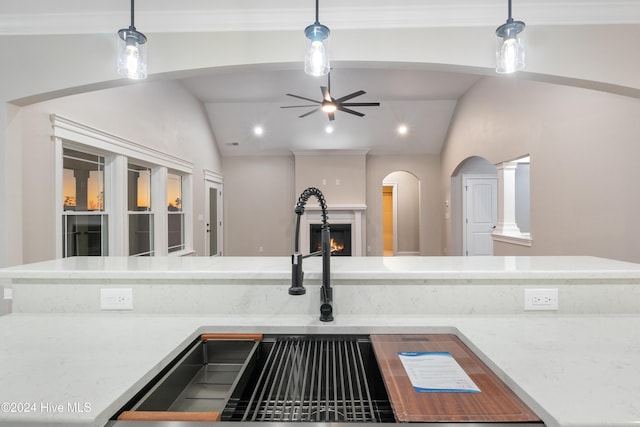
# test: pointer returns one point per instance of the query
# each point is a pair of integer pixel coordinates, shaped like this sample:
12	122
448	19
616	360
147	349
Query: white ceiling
240	98
238	101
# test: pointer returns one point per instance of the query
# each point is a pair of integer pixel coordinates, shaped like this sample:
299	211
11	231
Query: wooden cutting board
494	402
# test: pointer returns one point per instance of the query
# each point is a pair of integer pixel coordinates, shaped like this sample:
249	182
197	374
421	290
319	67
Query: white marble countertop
342	268
572	370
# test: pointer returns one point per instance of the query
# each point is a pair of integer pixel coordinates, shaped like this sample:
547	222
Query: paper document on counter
436	372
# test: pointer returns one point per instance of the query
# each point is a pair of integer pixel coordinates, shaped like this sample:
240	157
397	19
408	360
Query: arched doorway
401	214
474	207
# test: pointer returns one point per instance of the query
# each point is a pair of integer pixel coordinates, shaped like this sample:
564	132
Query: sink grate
312	379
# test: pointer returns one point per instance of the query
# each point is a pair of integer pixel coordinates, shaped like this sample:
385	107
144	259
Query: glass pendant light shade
510	56
316	61
132	54
509	46
132	51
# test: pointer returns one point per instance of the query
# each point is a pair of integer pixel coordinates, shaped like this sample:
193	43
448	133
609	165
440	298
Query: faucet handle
297	275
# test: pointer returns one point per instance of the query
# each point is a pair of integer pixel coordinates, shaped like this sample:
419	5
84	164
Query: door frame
464	181
213	180
394	208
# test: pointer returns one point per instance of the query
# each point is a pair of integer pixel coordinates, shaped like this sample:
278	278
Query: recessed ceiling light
403	129
258	130
329	129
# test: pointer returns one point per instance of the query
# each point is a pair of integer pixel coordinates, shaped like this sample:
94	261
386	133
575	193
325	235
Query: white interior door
213	226
480	214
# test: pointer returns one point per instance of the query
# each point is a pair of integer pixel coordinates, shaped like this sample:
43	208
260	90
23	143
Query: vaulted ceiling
237	99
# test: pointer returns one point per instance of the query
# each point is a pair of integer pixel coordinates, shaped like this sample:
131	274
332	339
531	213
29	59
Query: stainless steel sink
306	378
200	380
297	379
311	378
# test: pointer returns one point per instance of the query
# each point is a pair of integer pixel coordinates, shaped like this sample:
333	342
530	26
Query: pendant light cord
132	24
317	7
510	18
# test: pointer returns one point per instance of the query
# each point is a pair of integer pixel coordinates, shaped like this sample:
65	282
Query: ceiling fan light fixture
132	52
316	60
329	107
510	55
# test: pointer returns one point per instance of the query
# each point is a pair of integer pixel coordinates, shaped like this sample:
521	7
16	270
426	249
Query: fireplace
340	238
339	216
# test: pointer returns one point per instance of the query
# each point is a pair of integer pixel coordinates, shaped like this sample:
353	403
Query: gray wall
40	69
341	176
258	205
260	196
585	207
161	115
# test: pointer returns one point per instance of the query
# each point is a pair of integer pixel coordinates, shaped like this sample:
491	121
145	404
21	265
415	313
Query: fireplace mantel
338	214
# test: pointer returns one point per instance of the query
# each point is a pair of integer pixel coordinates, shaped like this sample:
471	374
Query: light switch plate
116	299
8	293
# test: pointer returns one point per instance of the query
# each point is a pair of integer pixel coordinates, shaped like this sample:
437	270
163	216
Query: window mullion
187	210
116	205
59	210
159	209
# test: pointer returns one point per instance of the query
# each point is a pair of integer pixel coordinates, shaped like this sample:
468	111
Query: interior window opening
84	222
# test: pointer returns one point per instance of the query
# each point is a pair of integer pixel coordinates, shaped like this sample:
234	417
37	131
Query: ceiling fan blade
310	112
296	106
332	116
346	110
306	99
350	96
361	104
325	93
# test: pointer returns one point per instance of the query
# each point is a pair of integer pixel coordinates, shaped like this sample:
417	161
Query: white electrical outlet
8	293
116	299
541	299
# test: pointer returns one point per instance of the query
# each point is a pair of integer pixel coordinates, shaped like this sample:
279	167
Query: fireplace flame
336	247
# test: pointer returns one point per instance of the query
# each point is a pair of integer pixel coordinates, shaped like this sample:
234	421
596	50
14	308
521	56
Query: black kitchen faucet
297	275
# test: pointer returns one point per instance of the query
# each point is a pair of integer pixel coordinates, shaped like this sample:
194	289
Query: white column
507	199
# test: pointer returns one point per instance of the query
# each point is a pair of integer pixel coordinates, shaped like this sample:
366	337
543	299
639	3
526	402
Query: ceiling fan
330	105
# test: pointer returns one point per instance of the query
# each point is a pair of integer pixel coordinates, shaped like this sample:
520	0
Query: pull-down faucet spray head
297	275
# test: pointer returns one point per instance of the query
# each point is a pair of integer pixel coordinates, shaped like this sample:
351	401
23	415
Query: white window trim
119	220
187	208
118	152
158	205
150	211
86	135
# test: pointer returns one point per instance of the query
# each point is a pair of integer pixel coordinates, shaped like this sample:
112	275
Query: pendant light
509	47
132	52
316	61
